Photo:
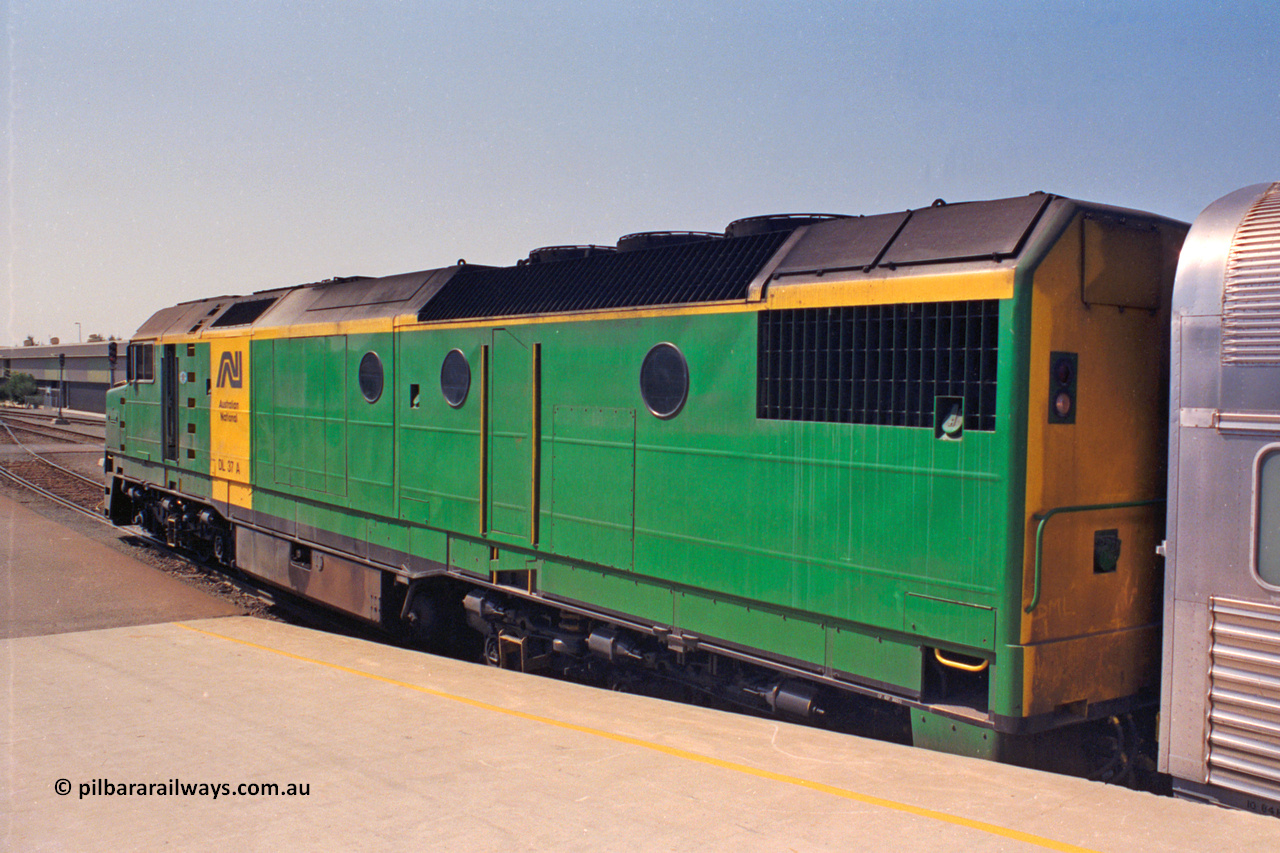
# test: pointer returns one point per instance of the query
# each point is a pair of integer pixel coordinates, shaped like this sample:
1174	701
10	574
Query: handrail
1044	519
955	664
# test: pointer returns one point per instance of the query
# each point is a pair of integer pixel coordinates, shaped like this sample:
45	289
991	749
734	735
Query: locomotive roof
982	236
717	270
340	300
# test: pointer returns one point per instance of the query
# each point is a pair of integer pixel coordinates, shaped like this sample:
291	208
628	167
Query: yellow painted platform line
843	793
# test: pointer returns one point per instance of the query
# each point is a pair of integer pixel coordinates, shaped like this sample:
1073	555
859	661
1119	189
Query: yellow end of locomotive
1096	461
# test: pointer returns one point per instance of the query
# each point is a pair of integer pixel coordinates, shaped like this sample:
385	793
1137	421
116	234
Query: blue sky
164	151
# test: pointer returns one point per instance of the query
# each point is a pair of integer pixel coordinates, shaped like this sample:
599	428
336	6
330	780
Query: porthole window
1268	518
664	380
455	378
371	377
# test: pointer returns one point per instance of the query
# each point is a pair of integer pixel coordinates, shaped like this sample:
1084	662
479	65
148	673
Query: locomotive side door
169	401
513	437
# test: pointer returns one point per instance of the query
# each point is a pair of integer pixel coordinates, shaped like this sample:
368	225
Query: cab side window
141	363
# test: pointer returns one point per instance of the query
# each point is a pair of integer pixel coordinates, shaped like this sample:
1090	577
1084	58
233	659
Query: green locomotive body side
713	521
859	548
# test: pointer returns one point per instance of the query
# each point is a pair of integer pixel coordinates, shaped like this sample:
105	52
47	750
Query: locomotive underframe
517	627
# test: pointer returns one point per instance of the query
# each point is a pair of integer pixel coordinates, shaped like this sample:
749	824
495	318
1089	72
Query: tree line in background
92	339
19	388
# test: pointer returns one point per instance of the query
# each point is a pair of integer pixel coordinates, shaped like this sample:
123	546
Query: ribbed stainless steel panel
1244	697
1251	292
1246	423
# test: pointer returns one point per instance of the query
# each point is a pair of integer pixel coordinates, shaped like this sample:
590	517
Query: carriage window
1268	560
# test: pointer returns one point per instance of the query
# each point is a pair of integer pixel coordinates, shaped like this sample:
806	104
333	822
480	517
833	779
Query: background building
83	379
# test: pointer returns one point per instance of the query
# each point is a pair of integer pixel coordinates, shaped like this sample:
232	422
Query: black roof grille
243	313
708	271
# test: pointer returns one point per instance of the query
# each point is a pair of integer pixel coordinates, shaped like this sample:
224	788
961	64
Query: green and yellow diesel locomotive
907	466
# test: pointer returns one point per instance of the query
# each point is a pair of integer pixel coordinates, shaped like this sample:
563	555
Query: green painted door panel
799	639
192	363
306	403
429	544
643	599
875	658
470	556
593	470
511	434
950	621
263	407
388	534
439	445
369	452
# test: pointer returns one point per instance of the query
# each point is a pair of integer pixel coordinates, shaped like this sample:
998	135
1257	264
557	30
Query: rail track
43	415
39	424
57	483
84	496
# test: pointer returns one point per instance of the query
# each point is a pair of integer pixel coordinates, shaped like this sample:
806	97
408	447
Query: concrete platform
398	750
54	580
111	676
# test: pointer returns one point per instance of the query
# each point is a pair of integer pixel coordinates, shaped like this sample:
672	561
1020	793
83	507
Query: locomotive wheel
492	654
203	550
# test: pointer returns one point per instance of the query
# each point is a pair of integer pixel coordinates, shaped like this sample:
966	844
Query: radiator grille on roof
243	313
1244	697
1251	293
879	364
706	271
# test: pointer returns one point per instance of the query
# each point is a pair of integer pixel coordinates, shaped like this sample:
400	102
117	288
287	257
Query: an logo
230	371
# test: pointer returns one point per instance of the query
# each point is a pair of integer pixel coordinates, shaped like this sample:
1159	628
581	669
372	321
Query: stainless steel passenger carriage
1220	704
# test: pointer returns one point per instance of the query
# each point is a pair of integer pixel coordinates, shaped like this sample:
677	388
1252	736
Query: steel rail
50	463
48	430
37	416
244	586
58	499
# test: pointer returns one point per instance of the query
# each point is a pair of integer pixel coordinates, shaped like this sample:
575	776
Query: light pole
79	336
